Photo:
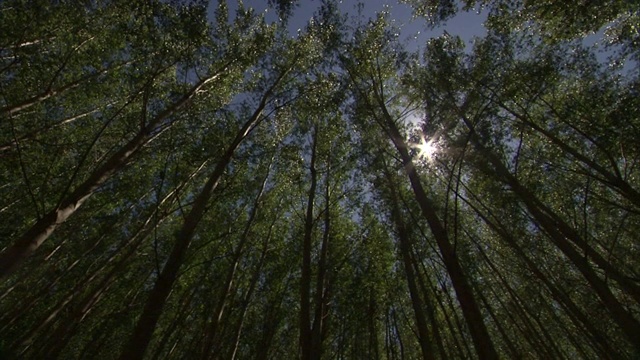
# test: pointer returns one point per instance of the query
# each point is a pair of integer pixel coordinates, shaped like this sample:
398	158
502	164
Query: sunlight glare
427	149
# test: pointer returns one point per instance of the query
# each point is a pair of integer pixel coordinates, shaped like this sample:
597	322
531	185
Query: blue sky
414	32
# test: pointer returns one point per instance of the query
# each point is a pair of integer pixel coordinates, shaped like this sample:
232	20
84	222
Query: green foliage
535	181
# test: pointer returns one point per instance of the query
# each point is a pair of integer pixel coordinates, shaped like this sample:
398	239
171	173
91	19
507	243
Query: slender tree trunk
457	343
247	298
613	181
470	309
405	252
24	246
520	321
515	354
269	328
133	242
372	311
428	296
305	278
212	328
320	322
50	92
81	310
421	320
521	306
558	232
627	323
143	332
553	219
139	341
574	312
8	146
465	350
398	333
63	332
10	318
180	315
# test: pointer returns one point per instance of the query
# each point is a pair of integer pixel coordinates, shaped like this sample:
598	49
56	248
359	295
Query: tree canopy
183	179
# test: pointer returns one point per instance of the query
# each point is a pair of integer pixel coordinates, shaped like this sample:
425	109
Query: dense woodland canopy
185	181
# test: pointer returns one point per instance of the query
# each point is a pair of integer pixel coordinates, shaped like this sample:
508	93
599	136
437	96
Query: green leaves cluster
180	181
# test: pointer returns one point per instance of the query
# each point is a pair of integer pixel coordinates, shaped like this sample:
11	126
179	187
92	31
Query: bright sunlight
427	149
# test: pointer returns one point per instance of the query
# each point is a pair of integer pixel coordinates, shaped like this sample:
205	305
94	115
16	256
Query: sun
427	149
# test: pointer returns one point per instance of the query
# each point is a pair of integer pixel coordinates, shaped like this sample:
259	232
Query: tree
180	180
371	74
151	126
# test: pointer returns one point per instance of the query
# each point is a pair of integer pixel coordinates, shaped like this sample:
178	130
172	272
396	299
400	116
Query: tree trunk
305	277
555	221
44	227
574	312
428	296
212	328
558	232
470	309
515	354
143	332
320	322
405	253
247	298
613	181
180	315
48	93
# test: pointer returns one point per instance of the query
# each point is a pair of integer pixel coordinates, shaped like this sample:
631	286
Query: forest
192	180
